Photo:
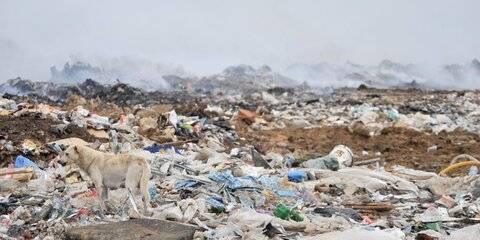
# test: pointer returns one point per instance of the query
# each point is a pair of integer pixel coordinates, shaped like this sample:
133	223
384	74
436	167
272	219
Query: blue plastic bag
152	191
392	114
297	176
188	183
271	182
233	182
215	202
22	162
155	148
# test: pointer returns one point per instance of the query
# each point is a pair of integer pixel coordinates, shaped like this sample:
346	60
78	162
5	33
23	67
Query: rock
9	185
428	235
247	116
346	213
147	124
358	234
466	233
446	201
146	229
258	160
98	133
359	128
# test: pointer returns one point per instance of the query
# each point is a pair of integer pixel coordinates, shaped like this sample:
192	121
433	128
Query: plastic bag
21	162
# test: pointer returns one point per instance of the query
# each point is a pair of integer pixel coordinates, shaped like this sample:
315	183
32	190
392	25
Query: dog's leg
145	196
101	189
143	186
134	182
130	180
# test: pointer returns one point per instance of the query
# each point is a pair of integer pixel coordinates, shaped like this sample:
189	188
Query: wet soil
36	128
398	146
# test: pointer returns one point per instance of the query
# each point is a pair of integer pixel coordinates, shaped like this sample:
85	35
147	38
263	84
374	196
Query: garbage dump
263	163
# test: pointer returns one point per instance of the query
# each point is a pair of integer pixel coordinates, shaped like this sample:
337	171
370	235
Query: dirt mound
398	145
17	129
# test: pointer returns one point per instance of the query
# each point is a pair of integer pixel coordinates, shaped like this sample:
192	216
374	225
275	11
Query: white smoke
205	37
136	72
388	74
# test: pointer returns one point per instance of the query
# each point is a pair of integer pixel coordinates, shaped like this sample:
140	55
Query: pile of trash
233	80
119	93
249	168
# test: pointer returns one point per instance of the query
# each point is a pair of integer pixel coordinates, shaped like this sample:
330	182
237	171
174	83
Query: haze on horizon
206	36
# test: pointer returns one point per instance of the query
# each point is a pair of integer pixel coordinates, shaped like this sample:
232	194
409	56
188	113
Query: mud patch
399	146
36	128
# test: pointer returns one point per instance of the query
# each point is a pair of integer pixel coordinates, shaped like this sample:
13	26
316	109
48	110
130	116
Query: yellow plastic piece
460	165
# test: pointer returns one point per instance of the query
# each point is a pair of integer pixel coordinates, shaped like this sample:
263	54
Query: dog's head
71	154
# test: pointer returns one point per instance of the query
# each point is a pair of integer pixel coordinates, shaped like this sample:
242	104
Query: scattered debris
265	162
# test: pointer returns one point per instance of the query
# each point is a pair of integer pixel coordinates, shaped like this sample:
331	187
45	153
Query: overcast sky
205	36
